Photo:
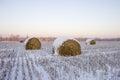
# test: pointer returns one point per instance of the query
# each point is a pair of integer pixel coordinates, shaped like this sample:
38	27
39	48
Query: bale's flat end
69	48
33	44
66	47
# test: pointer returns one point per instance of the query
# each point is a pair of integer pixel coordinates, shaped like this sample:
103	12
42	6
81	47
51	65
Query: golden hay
33	44
92	42
69	48
21	41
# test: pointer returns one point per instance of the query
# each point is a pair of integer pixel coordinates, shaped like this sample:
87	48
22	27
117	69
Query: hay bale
21	41
64	46
90	42
32	44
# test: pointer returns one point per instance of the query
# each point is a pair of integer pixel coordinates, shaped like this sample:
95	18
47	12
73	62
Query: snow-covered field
97	62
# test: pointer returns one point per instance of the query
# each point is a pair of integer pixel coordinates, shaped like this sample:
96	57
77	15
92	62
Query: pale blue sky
77	18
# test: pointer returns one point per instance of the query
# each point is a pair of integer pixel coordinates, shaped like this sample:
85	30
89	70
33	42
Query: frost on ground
98	62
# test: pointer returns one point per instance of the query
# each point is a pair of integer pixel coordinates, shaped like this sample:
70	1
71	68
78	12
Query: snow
26	69
13	70
58	42
88	41
25	42
99	62
44	74
20	76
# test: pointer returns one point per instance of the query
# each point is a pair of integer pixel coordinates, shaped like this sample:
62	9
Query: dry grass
92	42
33	44
69	48
21	41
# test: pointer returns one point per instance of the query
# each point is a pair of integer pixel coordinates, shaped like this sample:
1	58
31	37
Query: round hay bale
64	46
21	41
90	42
33	44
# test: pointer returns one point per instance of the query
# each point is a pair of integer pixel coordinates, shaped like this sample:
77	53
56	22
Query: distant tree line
49	39
11	38
19	38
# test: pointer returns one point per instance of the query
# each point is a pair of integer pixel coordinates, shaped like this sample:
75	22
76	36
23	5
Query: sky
53	18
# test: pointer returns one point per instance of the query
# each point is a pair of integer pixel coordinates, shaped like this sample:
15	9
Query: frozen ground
98	62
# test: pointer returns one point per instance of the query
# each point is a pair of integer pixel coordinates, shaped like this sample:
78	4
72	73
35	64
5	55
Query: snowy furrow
41	74
9	68
19	72
28	71
13	71
30	65
25	67
5	68
37	71
98	62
